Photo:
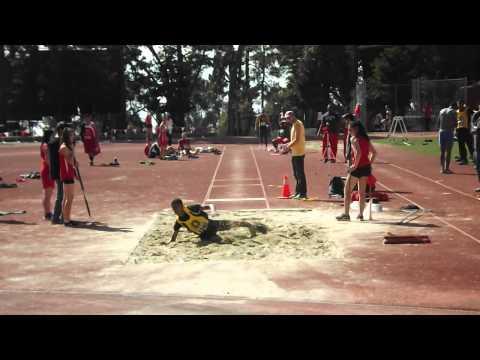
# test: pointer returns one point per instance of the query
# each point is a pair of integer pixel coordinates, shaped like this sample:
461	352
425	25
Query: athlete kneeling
195	220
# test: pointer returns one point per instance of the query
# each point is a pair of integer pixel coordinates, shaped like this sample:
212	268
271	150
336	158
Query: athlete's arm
373	153
356	152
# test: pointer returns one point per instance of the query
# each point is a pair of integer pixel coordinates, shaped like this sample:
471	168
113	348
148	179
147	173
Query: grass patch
418	145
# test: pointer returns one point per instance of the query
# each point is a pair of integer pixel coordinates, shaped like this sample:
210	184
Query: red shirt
67	171
183	144
364	151
148	120
428	111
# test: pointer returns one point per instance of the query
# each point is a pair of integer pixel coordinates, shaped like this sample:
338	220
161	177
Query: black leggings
264	135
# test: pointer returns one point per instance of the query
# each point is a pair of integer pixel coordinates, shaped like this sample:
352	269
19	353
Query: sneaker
325	161
48	216
343	217
448	171
57	222
301	197
71	223
294	196
360	217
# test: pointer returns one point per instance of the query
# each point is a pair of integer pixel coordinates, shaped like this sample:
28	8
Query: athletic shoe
301	197
343	217
262	228
463	163
48	216
448	171
360	217
325	161
294	196
57	222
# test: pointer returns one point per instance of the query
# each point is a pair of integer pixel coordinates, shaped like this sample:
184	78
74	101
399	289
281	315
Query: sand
292	234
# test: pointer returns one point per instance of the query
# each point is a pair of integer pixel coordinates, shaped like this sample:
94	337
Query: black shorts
363	171
214	226
68	181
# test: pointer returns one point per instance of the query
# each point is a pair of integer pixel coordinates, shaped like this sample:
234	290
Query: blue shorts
445	139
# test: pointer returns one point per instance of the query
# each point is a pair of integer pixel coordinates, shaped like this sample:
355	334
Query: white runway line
209	191
260	178
236	199
445	222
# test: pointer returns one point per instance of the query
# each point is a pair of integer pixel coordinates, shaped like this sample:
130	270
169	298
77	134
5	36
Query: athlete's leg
349	185
68	201
362	185
47	201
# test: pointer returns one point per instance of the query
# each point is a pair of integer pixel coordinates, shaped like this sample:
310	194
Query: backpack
336	186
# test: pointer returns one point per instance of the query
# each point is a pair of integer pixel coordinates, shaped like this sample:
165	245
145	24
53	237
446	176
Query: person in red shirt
48	183
162	137
89	137
363	155
67	162
427	116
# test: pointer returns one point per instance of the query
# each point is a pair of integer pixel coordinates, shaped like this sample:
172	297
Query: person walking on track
464	136
89	136
447	120
262	126
363	156
475	130
54	166
297	146
48	183
329	126
67	174
195	220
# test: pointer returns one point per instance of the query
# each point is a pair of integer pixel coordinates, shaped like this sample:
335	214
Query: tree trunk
4	72
263	77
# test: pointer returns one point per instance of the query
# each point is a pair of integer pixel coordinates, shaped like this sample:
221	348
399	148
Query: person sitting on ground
184	147
195	220
282	137
363	155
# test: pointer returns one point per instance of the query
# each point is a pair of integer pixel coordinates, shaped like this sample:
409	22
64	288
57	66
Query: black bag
336	186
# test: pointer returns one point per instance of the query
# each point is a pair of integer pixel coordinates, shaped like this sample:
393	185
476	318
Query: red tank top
364	145
43	157
67	171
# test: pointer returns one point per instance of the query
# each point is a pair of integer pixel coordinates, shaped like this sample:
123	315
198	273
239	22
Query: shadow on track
98	226
16	222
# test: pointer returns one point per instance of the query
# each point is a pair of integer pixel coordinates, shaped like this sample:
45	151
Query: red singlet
364	145
67	171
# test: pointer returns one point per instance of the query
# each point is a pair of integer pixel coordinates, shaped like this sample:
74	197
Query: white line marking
246	179
260	177
445	222
435	182
229	185
209	191
237	199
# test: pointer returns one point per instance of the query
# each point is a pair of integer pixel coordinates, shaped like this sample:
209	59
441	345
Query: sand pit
292	234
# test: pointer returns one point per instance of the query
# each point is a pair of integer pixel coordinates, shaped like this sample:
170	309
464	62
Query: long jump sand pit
292	234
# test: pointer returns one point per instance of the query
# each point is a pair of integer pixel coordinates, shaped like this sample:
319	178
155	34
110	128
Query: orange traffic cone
285	189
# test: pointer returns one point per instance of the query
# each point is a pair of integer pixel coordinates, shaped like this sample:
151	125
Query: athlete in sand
196	221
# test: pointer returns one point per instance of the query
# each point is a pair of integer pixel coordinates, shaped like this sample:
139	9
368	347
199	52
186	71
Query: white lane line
260	178
209	191
445	222
236	180
230	185
236	199
435	182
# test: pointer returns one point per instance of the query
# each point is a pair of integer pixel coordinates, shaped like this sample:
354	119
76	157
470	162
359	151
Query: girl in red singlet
363	155
162	138
67	164
47	183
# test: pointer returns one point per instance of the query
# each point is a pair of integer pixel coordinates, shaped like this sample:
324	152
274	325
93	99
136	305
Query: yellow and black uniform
196	221
297	145
464	137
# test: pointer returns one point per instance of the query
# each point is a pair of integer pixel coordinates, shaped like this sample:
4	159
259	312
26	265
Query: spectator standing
48	183
427	115
464	136
169	124
262	125
475	131
447	120
329	126
297	146
54	167
388	118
